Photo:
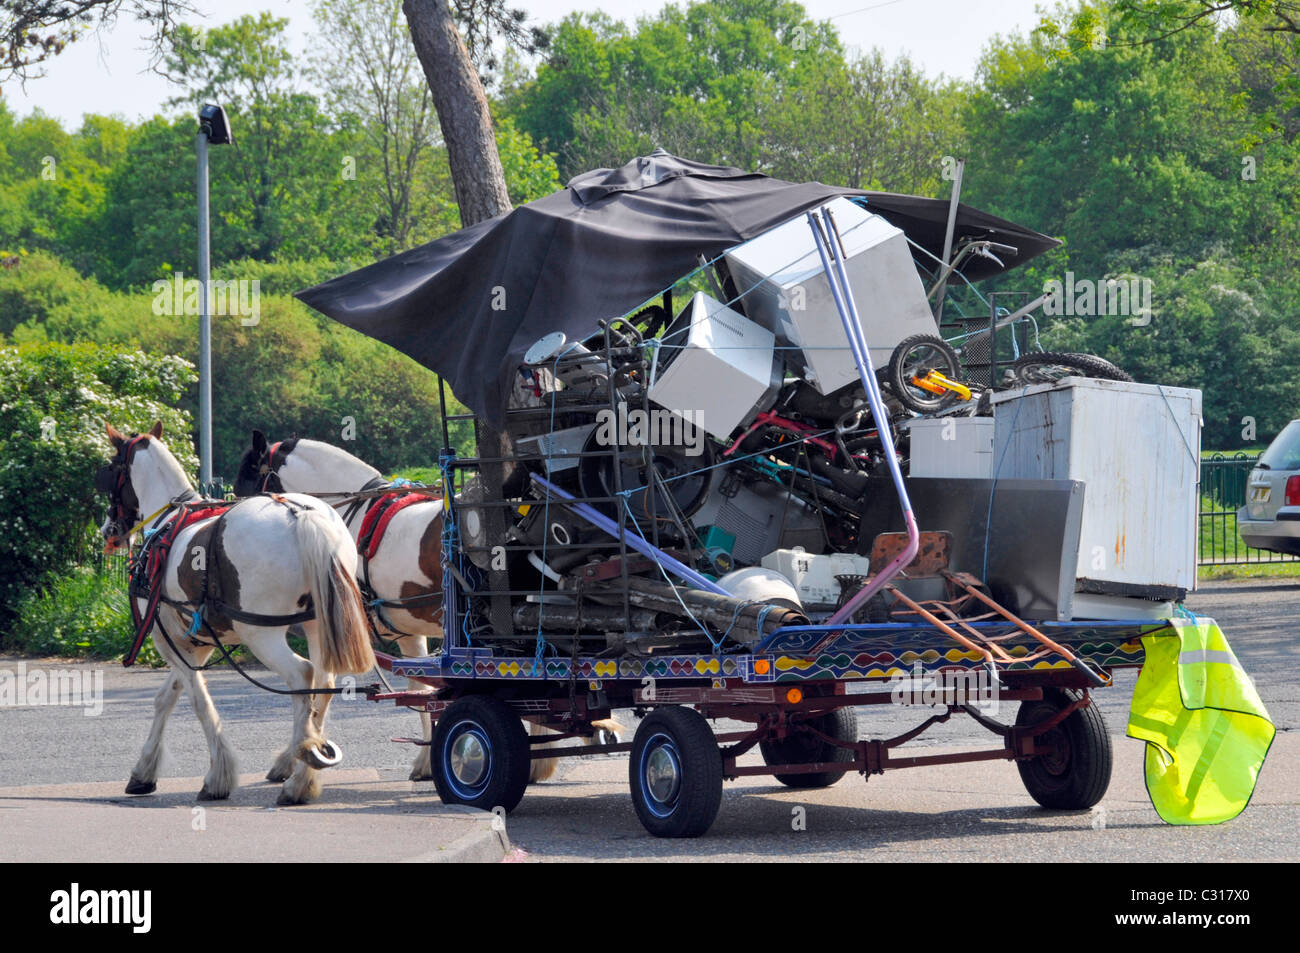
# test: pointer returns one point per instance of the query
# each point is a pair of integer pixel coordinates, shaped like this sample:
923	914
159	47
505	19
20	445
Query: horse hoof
325	755
206	795
277	775
136	786
418	775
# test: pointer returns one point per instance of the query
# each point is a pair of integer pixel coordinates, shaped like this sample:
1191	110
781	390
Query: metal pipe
205	319
843	295
953	201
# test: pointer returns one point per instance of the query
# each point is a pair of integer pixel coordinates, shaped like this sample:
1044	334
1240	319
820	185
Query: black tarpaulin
469	305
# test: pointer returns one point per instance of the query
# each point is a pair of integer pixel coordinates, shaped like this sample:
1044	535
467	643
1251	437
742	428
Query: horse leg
542	768
270	647
144	776
417	646
223	774
283	764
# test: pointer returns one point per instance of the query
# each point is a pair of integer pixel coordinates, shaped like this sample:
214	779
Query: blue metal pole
837	278
678	569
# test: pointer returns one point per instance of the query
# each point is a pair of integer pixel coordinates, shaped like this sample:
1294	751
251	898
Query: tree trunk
481	193
462	111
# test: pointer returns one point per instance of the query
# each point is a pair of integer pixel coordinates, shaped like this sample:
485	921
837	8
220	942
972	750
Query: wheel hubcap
469	758
662	776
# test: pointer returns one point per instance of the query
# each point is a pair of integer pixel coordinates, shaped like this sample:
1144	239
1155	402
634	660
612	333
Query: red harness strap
147	579
380	514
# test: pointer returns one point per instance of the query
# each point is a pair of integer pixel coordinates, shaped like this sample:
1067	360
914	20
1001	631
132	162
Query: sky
109	74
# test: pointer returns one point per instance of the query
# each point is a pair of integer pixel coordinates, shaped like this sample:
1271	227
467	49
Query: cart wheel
1077	774
676	773
915	357
480	754
803	748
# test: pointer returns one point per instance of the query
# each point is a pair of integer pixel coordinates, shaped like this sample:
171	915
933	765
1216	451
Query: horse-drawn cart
798	692
704	513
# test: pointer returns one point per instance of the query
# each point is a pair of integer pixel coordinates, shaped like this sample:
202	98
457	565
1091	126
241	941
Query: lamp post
214	130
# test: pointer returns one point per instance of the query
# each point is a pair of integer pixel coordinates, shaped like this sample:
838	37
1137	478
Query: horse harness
149	563
378	513
209	611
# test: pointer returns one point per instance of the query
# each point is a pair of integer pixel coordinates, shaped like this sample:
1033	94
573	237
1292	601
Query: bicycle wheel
917	356
1052	366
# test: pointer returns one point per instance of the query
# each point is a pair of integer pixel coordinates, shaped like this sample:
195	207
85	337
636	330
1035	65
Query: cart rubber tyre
481	754
924	353
1077	776
676	773
1040	368
841	724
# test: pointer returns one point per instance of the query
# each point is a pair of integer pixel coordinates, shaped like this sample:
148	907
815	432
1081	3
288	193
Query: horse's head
254	467
115	480
257	468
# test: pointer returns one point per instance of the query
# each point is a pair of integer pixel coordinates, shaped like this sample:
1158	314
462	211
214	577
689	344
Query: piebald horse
258	563
406	564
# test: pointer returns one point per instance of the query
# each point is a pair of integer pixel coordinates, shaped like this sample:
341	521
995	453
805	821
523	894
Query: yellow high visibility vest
1207	732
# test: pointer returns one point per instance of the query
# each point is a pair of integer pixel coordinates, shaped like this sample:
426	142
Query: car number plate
1260	494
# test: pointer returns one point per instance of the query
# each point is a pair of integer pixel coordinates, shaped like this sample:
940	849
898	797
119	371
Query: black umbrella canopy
469	305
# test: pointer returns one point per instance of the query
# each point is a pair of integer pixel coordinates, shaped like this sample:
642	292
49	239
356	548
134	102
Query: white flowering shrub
54	399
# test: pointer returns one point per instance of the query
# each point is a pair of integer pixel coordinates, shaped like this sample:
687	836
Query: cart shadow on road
761	822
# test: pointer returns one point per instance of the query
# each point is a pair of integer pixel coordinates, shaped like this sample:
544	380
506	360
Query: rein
148	567
350	503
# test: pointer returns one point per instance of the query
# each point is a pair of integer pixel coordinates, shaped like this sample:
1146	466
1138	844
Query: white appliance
958	447
813	577
782	286
716	368
1137	448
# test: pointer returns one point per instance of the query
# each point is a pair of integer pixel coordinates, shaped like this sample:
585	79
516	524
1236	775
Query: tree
751	83
463	114
865	123
246	66
1119	146
56	398
368	69
33	31
1162	18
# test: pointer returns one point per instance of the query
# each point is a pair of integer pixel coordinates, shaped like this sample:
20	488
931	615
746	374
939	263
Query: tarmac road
963	812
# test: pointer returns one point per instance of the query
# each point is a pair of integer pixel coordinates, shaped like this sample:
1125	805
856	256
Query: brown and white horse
256	564
406	564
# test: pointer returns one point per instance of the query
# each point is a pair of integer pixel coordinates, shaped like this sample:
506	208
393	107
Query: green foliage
1167	154
54	400
750	83
530	174
83	612
291	373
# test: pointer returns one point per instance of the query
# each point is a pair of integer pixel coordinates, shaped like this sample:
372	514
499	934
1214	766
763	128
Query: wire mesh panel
1224	483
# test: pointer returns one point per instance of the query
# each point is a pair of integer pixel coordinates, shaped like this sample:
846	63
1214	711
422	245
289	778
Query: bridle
115	480
124	516
270	480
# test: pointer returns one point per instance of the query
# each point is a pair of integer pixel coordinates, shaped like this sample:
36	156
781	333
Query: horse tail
340	611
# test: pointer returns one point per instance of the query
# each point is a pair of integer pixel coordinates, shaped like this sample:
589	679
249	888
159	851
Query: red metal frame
775	717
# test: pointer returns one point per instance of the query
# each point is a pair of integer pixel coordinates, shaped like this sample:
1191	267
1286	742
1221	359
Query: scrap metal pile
696	474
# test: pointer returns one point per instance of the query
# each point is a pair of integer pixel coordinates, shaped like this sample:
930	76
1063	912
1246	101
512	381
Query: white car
1271	517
